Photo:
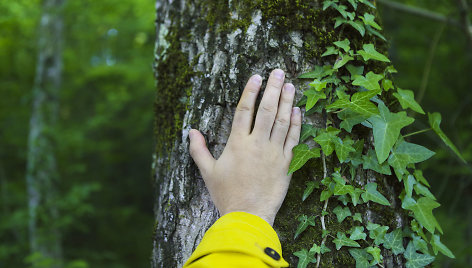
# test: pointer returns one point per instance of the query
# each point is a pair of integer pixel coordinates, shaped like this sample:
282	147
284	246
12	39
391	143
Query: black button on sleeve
272	253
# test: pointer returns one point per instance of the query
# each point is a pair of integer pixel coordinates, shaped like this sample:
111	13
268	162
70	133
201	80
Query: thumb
199	151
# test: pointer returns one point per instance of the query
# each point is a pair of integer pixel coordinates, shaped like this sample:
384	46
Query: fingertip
279	73
256	79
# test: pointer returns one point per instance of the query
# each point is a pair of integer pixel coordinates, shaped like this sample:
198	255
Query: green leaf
359	26
324	249
377	232
318	85
330	51
375	252
370	81
355	70
405	153
343	148
308	131
318	73
329	3
434	122
326	140
355	195
312	97
370	162
304	258
407	100
325	194
423	190
371	194
386	129
416	260
366	2
341	62
301	154
343	44
350	119
359	103
357	233
304	223
387	84
357	217
369	19
361	256
419	177
438	246
394	241
342	213
369	53
409	182
423	213
342	240
420	244
353	3
310	186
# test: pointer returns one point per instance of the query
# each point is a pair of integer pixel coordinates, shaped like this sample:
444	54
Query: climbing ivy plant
348	96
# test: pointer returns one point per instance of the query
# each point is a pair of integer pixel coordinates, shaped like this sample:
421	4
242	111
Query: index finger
244	114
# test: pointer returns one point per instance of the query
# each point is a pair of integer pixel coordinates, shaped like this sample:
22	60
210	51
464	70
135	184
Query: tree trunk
41	174
206	51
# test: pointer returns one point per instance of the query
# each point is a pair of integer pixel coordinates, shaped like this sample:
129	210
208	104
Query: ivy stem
416	132
325	174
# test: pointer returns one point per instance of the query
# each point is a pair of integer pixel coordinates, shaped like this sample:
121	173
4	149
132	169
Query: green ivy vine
348	96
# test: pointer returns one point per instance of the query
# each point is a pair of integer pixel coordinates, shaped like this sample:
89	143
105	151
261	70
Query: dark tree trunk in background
205	52
41	175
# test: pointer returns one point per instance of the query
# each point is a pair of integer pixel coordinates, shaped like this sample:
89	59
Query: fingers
268	108
293	132
200	153
245	110
284	112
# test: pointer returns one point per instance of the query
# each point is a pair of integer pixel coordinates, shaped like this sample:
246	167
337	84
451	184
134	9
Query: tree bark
41	173
221	54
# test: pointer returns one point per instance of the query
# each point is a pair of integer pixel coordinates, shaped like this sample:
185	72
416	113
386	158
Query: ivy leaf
386	129
423	212
324	249
420	244
406	153
375	252
342	10
394	241
312	97
330	51
343	44
355	70
343	148
301	154
371	194
370	81
342	213
353	3
359	26
350	119
434	122
376	33
438	246
367	3
318	85
416	260
342	240
304	258
387	84
325	194
369	19
329	3
310	186
308	131
325	140
357	233
422	190
377	232
318	73
361	256
408	202
409	182
359	103
356	157
357	217
419	177
342	189
340	63
355	195
369	53
304	223
407	100
370	162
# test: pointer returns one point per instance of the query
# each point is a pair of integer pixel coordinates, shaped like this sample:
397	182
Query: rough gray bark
225	60
41	173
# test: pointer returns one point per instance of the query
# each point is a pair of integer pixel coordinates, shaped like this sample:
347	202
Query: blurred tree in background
103	137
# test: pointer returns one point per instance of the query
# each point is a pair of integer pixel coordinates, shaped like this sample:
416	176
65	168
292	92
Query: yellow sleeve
238	239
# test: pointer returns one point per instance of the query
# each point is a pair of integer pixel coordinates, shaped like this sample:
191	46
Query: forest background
104	135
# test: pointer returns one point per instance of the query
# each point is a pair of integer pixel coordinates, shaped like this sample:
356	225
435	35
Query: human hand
251	173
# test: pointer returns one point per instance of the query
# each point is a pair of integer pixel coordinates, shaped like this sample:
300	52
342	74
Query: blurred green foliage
104	135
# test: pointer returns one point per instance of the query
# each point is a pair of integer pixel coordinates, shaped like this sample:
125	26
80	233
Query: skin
251	173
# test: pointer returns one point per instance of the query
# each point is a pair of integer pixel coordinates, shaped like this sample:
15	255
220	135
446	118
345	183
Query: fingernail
296	110
279	74
190	134
289	88
256	79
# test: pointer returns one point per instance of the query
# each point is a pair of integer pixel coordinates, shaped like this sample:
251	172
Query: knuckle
243	108
282	121
268	109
